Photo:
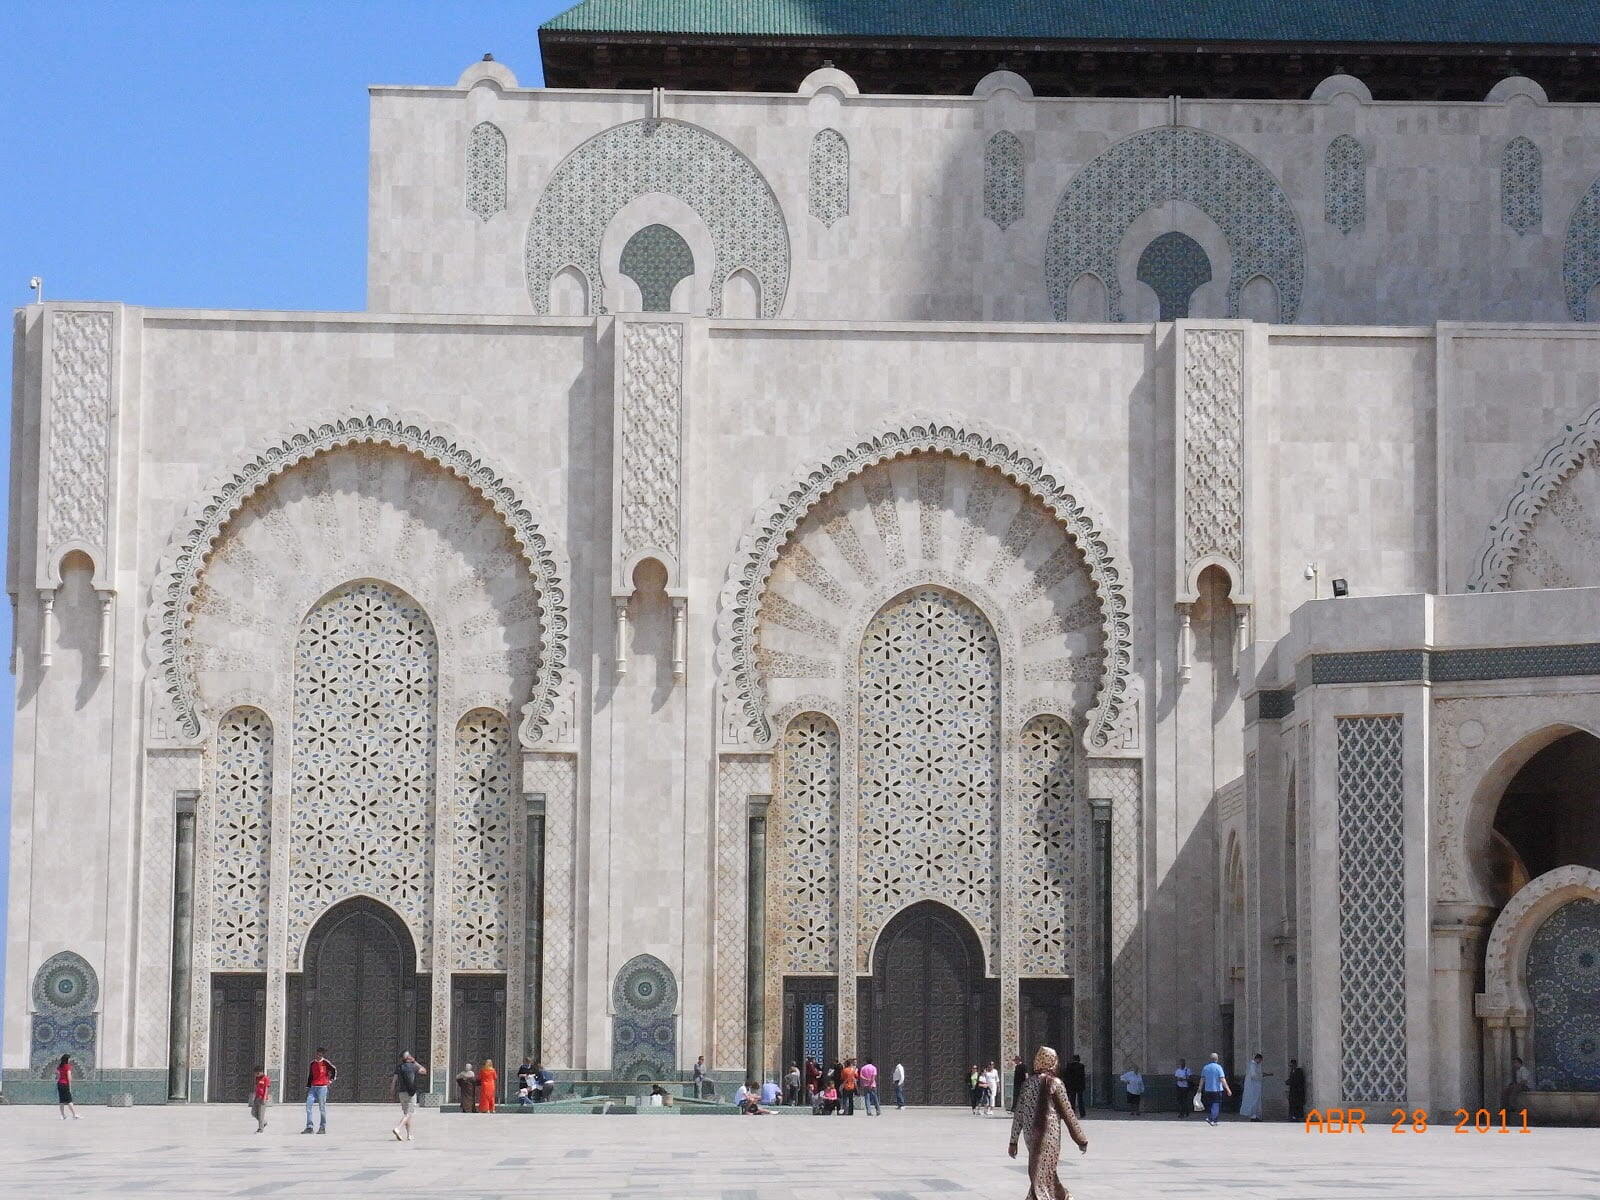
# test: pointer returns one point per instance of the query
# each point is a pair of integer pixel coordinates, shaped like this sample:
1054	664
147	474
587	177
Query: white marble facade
516	610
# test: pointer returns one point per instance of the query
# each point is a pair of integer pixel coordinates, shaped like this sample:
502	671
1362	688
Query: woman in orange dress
488	1080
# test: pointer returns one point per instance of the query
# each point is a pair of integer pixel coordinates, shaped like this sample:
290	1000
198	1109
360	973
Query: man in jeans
1213	1087
322	1074
403	1087
899	1079
868	1079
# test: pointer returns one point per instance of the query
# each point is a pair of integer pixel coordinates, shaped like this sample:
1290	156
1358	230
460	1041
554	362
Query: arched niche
665	230
1156	166
674	158
644	1026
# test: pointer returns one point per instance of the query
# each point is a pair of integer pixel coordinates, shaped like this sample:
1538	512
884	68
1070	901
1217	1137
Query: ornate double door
929	1006
360	998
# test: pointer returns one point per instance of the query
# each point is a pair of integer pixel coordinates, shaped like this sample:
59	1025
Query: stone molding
547	716
745	719
1507	532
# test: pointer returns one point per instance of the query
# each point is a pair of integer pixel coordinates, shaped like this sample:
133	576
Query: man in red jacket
322	1074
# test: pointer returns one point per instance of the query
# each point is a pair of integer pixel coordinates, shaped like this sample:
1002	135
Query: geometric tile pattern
616	167
808	846
929	761
651	436
1213	447
828	198
1580	258
1174	163
1003	179
80	422
644	1033
1521	185
1372	931
486	170
1122	788
553	777
1173	266
657	259
1044	871
481	881
65	993
1564	985
240	838
366	683
1344	183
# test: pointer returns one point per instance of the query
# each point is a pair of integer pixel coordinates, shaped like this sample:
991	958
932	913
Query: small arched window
1174	266
658	260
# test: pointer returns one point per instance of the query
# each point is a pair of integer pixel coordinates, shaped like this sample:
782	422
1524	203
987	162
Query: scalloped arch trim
745	690
181	566
1509	530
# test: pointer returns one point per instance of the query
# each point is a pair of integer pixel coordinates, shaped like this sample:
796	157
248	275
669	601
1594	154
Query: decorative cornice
1559	462
178	572
744	698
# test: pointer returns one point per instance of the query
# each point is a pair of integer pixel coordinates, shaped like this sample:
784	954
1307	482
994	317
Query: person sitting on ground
666	1097
770	1095
752	1101
830	1099
547	1084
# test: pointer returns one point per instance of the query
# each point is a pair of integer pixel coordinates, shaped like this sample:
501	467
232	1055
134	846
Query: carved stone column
182	948
533	926
1100	866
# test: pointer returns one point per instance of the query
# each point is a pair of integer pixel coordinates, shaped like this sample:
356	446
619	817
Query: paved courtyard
916	1155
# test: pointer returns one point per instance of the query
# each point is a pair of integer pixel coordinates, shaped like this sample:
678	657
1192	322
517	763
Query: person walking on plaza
1183	1080
1075	1078
1250	1105
974	1083
1297	1091
1213	1087
1042	1109
318	1080
467	1088
1019	1076
64	1088
403	1088
848	1076
488	1086
258	1098
867	1081
1134	1083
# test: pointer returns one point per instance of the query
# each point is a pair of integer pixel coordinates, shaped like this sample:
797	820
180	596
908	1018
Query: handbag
1199	1104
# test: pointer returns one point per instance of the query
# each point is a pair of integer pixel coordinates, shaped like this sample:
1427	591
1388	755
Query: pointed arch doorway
928	1004
360	998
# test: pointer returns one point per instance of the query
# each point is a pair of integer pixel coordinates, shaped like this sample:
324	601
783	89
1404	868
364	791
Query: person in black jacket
1019	1076
1075	1077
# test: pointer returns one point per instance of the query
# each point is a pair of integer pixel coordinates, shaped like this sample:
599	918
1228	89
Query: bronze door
360	998
1046	1020
928	1005
238	1034
478	1026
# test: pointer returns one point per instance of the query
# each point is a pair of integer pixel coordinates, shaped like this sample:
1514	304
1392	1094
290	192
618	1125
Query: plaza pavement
211	1150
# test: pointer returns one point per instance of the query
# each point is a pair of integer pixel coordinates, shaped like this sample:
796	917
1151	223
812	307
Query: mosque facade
837	574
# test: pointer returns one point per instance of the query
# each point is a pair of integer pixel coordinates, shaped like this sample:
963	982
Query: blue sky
208	154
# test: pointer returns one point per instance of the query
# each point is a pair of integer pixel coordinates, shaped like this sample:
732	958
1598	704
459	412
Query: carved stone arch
969	935
546	717
1506	954
746	703
677	159
1468	824
1545	533
1153	167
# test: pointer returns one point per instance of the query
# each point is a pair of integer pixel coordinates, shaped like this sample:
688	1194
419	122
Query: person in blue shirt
1213	1087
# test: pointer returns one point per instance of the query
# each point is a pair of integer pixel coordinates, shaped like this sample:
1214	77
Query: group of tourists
834	1090
984	1087
1206	1090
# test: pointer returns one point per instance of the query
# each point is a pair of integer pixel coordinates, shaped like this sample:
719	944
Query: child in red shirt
258	1101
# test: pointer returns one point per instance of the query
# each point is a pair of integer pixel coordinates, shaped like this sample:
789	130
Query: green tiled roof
1497	22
